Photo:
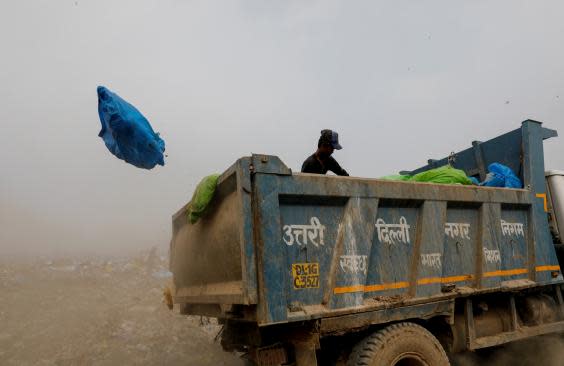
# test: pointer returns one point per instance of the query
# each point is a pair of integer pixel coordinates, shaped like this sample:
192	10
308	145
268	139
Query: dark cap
331	138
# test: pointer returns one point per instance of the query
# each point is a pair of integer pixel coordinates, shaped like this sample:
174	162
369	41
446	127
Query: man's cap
331	138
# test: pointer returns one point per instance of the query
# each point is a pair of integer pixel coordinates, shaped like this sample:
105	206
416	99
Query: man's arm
336	168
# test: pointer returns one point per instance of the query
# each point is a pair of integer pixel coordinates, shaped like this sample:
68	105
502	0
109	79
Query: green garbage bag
202	197
444	175
396	177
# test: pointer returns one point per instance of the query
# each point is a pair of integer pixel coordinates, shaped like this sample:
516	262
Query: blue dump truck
304	269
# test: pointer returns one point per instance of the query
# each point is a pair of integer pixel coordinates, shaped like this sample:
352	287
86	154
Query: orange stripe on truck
543	196
547	268
506	272
433	280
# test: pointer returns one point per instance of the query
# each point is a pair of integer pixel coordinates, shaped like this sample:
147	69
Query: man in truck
322	161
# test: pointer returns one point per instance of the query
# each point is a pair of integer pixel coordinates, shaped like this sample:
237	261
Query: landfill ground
100	311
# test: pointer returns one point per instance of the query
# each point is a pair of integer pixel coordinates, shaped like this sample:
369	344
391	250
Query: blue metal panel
351	261
460	244
272	271
513	241
522	151
429	250
505	149
302	246
390	258
490	243
533	169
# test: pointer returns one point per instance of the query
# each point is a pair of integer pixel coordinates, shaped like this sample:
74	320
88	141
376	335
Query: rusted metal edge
209	299
321	312
520	333
356	321
218	293
243	192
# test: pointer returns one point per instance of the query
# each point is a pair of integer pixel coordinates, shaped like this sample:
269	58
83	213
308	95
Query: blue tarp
127	133
501	176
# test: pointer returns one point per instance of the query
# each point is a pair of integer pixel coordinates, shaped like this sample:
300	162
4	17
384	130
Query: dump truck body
338	255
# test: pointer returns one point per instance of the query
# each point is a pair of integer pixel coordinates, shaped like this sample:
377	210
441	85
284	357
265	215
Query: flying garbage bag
127	133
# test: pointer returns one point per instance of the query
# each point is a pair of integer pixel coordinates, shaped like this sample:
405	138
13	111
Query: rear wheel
403	344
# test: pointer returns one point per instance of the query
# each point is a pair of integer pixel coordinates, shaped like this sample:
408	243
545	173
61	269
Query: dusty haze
400	81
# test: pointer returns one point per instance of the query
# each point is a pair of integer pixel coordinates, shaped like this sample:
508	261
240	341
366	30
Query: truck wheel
403	344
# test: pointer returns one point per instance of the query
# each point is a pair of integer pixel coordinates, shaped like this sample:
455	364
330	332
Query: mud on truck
305	269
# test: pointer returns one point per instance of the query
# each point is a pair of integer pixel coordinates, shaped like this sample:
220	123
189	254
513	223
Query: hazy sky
401	81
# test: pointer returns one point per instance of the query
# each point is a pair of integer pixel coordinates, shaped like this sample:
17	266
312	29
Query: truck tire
403	344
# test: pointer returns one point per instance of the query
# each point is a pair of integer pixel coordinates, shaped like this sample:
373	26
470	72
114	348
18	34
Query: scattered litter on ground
162	274
99	311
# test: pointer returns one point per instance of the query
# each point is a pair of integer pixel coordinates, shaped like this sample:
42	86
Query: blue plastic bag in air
501	176
127	133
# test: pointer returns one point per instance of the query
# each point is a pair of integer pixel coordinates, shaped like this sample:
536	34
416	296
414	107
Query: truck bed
277	246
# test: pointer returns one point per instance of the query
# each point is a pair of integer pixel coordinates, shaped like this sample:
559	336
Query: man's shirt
313	165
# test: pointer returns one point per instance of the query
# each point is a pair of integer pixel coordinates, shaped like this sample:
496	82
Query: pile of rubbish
149	263
498	175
